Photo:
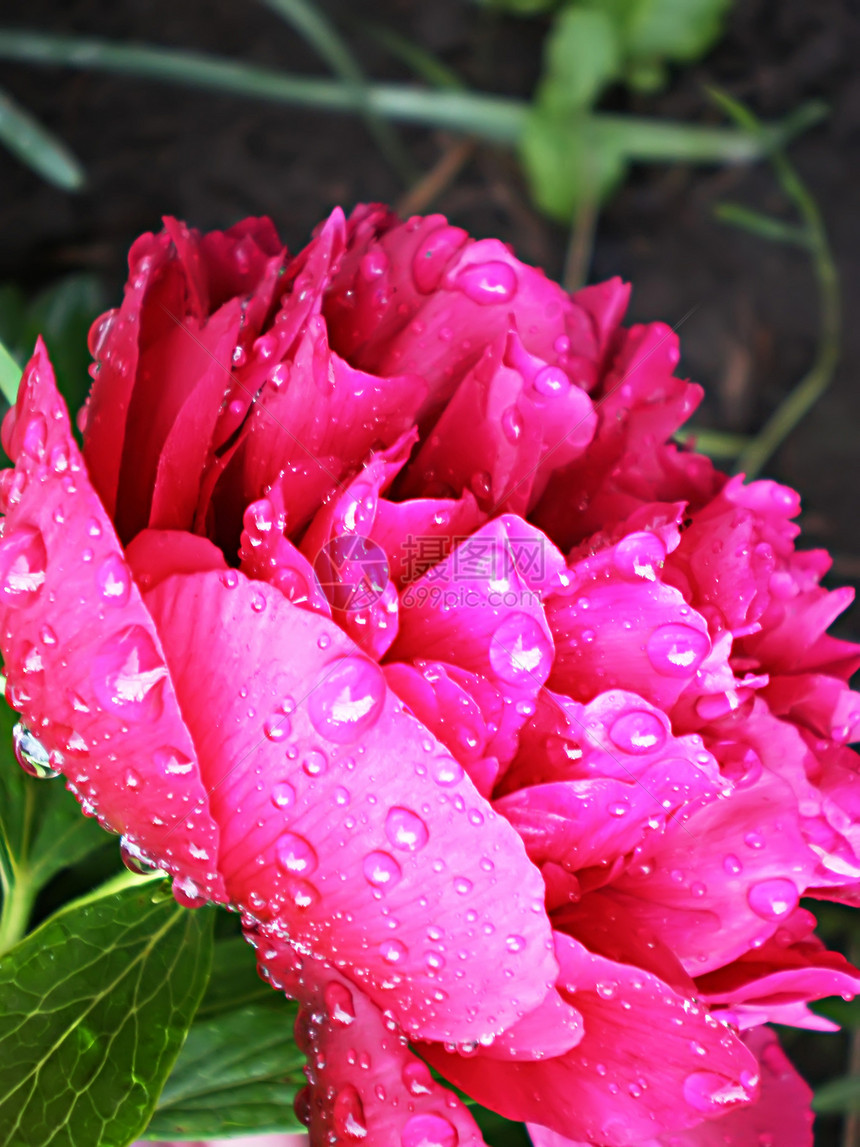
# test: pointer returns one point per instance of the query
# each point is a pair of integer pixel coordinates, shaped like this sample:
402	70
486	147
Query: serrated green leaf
238	1073
581	56
94	1007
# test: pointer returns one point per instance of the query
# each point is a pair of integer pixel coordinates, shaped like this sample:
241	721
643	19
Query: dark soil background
211	159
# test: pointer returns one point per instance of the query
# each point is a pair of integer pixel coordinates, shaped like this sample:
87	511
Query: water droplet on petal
550	381
23	561
773	899
128	675
638	731
520	651
488	283
381	870
417	1078
295	855
348	700
283	795
429	1130
512	424
639	555
709	1092
132	857
339	1004
114	580
348	1115
677	650
406	830
393	951
31	754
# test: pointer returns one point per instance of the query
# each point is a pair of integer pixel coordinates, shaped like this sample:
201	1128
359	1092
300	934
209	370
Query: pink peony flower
380	605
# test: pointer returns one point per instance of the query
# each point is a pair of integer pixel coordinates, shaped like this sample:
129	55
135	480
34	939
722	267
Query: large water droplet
339	1003
550	381
638	732
773	899
35	437
488	283
132	857
393	951
406	830
128	675
512	424
348	1115
520	652
283	795
640	555
295	855
31	754
417	1078
708	1092
23	560
381	870
429	1130
677	650
114	580
348	701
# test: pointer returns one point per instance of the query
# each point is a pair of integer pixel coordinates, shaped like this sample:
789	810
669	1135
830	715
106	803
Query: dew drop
339	1004
381	870
348	1115
23	561
488	283
128	675
348	701
520	651
283	795
406	830
709	1092
393	951
132	857
773	899
31	754
294	855
639	555
550	381
638	732
417	1078
677	650
512	424
114	580
428	1130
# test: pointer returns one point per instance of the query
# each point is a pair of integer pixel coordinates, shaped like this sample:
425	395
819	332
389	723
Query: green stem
714	443
800	401
494	118
19	895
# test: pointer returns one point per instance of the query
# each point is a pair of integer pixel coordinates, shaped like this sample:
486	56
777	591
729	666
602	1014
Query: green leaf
240	1069
94	1007
238	1073
10	375
838	1096
35	146
569	161
580	58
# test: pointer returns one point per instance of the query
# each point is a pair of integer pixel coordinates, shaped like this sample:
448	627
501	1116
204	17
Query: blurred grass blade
314	26
764	226
34	145
10	376
838	1096
424	64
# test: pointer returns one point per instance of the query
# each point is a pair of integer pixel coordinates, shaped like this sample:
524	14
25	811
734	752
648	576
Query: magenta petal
340	813
364	1083
82	654
419	533
157	554
723	878
267	555
115	345
510	411
635	1073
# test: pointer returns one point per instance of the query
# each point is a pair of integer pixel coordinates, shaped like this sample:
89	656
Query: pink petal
630	777
341	814
510	411
83	656
267	555
634	1073
420	533
780	1116
721	880
481	610
364	1084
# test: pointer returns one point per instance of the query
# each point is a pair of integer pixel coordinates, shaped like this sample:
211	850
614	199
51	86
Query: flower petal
83	656
343	819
